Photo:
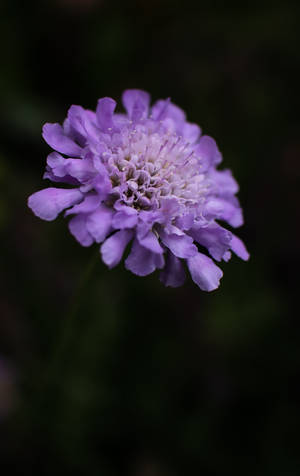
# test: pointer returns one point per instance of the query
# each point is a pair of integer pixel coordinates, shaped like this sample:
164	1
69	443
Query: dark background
148	380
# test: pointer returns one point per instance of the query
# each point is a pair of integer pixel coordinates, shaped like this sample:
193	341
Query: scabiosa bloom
148	177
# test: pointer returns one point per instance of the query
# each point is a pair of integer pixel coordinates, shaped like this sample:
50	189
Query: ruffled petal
173	273
81	169
215	238
232	212
208	153
227	256
165	109
113	248
102	183
56	163
159	261
121	120
191	132
66	179
77	227
74	124
185	222
169	207
146	221
150	242
81	125
88	205
99	223
142	261
239	248
136	103
48	203
181	245
56	169
223	182
127	217
224	209
204	272
55	136
104	112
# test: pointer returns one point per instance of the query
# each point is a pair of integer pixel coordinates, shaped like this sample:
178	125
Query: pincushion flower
145	177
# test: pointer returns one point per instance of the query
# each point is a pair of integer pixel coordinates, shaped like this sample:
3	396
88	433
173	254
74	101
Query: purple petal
48	203
224	182
225	209
136	103
232	213
169	206
104	112
81	125
150	242
56	169
142	261
215	238
208	153
181	245
77	227
54	178
121	120
227	256
55	136
191	132
239	248
125	218
88	205
57	164
99	223
173	230
81	169
113	248
145	223
159	261
204	272
185	222
164	109
74	124
102	183
173	273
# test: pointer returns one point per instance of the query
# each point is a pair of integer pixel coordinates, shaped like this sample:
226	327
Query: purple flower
148	177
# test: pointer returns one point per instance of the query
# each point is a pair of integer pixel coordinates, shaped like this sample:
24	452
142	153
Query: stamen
169	162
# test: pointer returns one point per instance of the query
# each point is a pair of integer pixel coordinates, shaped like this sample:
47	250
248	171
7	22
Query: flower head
148	177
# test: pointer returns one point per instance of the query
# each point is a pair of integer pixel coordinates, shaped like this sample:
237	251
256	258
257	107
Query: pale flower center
149	166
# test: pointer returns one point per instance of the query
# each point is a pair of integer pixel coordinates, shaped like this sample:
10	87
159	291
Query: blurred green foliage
152	381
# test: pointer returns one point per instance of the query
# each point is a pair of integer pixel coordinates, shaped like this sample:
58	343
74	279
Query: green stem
68	324
47	395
